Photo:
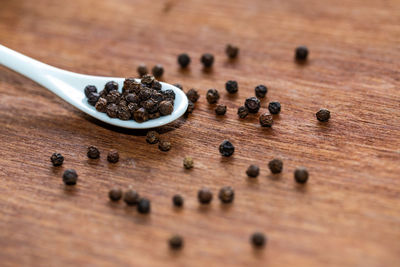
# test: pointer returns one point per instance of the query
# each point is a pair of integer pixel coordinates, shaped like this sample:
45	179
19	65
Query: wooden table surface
347	215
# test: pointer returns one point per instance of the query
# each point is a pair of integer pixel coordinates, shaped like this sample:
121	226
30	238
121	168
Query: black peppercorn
93	98
112	110
226	148
226	194
261	90
115	194
205	196
220	110
190	107
93	152
101	105
275	166
175	242
147	79
232	87
178	85
152	137
156	85
70	177
177	200
131	197
212	96
154	115
193	95
207	60
113	97
266	120
166	107
113	156
183	60
301	175
90	89
188	162
111	86
142	70
164	146
231	51
158	71
301	53
169	95
323	115
253	171
258	239
242	112
144	206
132	98
252	104
140	115
274	107
57	159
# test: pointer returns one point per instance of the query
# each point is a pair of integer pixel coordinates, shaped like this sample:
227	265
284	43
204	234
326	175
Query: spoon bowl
70	87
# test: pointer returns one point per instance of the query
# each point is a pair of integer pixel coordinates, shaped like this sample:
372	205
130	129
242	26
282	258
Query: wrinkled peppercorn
184	60
207	60
131	197
301	53
115	194
193	95
266	120
164	145
275	166
57	159
101	105
132	98
212	96
188	162
301	175
93	152
261	91
177	200
70	177
113	156
166	107
190	107
111	86
124	113
231	51
89	89
258	239
226	194
169	95
226	148
274	107
154	115
158	70
113	97
242	112
253	171
205	196
93	98
142	70
175	242
252	104
323	115
144	206
152	137
140	115
112	110
178	85
147	79
220	109
132	107
232	87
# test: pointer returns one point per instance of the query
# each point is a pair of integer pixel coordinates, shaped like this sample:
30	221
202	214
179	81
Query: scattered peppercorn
253	171
231	51
93	152
131	197
177	200
242	112
220	109
111	86
166	107
207	60
144	206
258	239
301	175
188	162
164	146
232	87
142	70
70	177
266	120
57	159
275	166
205	196
115	194
175	242
89	89
226	194
261	90
301	53
158	71
212	96
252	104
226	148
193	95
323	115
274	107
152	137
190	107
184	60
113	156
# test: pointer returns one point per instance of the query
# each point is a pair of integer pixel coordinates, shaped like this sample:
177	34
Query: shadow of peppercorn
71	190
143	219
57	170
207	71
274	177
302	188
204	208
253	182
184	71
225	207
93	161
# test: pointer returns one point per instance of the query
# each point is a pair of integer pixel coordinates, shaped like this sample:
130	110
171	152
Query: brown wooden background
347	215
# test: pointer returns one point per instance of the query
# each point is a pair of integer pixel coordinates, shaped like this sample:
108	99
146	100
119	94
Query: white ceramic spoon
70	87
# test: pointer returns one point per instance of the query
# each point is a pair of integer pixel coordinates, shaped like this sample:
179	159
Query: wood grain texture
347	215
